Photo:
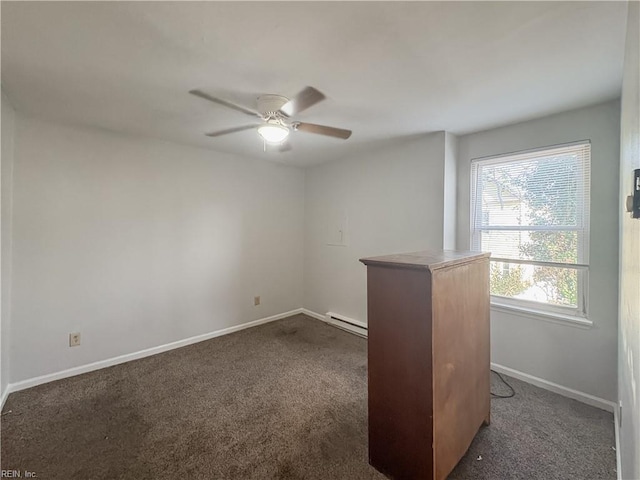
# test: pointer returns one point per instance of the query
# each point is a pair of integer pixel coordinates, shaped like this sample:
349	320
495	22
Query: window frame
578	314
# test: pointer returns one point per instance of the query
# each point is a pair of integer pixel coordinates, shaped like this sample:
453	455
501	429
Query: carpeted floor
285	400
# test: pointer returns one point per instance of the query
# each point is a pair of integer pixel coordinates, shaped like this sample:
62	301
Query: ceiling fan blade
322	130
224	103
230	130
303	100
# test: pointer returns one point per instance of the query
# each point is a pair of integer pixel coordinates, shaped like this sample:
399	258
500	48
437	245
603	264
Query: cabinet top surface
429	259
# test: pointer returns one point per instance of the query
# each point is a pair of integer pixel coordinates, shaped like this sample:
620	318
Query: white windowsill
558	318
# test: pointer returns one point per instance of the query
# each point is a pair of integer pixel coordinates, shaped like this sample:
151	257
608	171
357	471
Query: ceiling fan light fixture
273	133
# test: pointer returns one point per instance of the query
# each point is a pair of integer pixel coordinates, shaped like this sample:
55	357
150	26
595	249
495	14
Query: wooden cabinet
428	355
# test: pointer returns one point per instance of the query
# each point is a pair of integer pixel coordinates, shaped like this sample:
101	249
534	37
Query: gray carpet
284	400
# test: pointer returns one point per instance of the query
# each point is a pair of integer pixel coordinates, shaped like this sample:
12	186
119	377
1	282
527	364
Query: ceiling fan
274	113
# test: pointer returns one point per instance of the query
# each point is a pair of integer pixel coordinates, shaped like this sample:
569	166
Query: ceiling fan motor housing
268	105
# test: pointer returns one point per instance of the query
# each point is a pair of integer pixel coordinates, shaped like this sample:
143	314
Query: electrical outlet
256	300
74	339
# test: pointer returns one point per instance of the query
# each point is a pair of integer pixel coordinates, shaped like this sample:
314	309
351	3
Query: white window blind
531	211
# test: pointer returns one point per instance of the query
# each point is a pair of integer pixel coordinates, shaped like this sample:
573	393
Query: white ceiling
388	69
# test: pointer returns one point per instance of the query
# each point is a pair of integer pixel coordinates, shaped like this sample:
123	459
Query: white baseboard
358	328
616	421
4	396
315	315
559	389
32	382
351	325
356	323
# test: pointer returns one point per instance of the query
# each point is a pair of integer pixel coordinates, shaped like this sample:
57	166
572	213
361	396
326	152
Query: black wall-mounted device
635	212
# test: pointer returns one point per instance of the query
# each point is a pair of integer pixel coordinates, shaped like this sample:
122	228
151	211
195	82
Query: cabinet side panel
400	389
461	358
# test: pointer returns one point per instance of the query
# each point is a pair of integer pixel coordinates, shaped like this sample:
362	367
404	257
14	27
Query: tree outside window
530	210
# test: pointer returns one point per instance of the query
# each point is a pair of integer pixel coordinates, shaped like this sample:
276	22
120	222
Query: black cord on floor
513	392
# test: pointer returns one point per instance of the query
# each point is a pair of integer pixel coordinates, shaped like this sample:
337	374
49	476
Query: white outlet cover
74	339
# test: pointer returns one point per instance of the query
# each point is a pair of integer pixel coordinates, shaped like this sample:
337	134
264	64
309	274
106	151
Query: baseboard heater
346	323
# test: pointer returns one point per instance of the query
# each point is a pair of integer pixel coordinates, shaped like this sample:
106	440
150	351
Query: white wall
138	242
629	337
393	199
581	359
6	174
450	191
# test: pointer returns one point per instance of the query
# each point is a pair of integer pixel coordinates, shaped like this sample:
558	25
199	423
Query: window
531	211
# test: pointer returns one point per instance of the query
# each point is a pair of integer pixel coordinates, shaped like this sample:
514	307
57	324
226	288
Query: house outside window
531	211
